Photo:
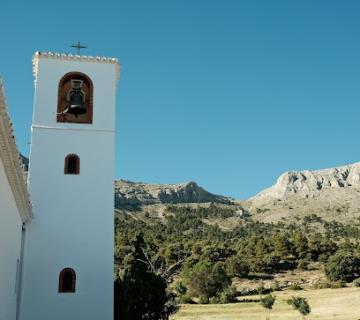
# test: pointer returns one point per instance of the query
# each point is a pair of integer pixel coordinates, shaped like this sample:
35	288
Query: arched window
72	164
67	280
75	98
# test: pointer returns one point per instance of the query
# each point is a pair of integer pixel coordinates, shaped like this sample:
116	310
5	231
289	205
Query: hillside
333	194
134	194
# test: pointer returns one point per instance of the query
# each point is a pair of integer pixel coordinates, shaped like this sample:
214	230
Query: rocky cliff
311	183
333	194
129	193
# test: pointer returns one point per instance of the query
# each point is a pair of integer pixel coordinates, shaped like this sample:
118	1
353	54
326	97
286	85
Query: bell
76	103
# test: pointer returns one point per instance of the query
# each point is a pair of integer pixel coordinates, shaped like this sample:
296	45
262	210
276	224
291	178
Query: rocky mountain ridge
128	193
310	183
332	194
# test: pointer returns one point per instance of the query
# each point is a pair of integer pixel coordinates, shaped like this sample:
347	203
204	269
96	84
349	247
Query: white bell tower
68	270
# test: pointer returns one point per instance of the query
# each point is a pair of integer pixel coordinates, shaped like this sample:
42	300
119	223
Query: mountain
333	194
135	194
311	183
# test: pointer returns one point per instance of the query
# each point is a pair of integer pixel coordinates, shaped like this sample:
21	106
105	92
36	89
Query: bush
228	295
260	289
303	264
322	285
300	304
356	282
268	301
207	279
295	286
343	265
275	286
185	299
180	288
337	284
237	267
203	300
214	300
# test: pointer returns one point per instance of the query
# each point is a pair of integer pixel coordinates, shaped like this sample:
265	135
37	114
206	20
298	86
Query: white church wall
10	244
73	223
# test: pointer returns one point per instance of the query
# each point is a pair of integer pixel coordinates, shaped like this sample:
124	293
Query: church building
56	254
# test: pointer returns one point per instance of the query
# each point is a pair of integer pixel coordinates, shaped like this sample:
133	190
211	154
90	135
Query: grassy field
326	304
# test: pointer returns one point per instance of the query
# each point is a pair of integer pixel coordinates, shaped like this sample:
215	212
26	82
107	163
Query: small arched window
72	164
67	280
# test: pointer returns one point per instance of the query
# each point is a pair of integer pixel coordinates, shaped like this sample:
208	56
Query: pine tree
140	294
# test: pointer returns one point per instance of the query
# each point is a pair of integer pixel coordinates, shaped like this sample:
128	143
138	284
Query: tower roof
73	57
9	155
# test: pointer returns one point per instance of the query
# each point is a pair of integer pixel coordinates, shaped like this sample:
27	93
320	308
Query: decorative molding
10	157
37	126
73	57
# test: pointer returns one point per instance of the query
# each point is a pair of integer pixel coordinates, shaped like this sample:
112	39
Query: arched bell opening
75	98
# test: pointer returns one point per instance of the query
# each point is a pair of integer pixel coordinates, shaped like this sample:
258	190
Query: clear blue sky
229	94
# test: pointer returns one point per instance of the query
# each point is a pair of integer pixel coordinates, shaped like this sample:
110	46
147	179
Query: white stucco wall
10	244
73	221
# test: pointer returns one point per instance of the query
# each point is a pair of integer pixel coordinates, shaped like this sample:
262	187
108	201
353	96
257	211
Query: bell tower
68	270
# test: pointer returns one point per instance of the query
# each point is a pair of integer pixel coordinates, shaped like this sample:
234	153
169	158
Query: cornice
74	57
9	155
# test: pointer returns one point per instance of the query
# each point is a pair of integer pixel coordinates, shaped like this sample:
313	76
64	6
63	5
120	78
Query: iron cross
78	46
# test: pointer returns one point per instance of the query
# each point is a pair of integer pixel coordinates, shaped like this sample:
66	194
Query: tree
281	245
300	304
300	243
139	292
237	267
343	265
207	279
321	247
267	302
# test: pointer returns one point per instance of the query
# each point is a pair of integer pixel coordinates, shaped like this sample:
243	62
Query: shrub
267	302
214	300
203	300
322	285
343	265
260	289
300	304
180	288
237	267
295	286
356	282
207	279
302	264
185	299
275	286
228	295
337	284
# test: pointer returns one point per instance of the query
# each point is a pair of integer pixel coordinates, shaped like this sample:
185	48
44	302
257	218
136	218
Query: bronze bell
76	99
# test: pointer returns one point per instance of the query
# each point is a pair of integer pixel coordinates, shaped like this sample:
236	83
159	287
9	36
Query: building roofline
9	155
74	57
